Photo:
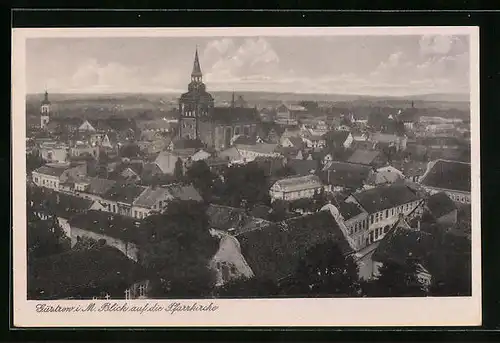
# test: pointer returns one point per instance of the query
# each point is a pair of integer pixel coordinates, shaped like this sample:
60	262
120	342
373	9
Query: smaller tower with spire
45	111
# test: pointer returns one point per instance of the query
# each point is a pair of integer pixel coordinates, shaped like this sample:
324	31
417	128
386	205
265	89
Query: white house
294	188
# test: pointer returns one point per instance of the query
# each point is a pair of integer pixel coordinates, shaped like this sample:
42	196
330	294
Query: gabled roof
348	210
336	137
440	204
385	197
226	218
63	205
183	192
345	174
297	142
262	148
125	193
274	251
401	244
291	184
52	171
303	167
364	156
100	186
450	175
82	273
110	224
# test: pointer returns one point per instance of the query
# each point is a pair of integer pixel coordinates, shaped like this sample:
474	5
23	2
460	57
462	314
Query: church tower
194	106
45	111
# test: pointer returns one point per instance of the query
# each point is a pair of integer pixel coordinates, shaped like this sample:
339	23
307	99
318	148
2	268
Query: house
86	126
232	155
390	140
232	220
53	176
367	158
63	206
93	188
250	152
442	208
200	155
315	141
288	114
120	199
114	230
384	175
292	142
412	170
270	165
403	244
293	188
53	152
451	177
303	167
101	272
166	161
274	252
340	176
337	139
384	205
82	149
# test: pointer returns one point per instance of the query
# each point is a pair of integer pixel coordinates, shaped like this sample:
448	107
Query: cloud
253	58
443	45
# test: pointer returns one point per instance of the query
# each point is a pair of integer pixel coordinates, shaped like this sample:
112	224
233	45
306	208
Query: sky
364	65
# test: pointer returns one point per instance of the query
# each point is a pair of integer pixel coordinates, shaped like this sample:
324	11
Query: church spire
196	65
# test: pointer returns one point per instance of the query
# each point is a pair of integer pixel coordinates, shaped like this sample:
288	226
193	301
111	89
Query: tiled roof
183	192
385	197
262	148
401	244
233	115
300	182
450	175
303	167
345	174
226	218
63	205
150	197
337	137
364	156
82	273
125	193
100	186
297	142
109	224
52	171
440	204
349	210
275	250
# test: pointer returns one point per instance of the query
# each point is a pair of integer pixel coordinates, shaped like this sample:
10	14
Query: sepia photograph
213	172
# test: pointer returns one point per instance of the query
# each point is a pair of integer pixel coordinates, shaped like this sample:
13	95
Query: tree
325	271
176	247
396	280
179	169
130	150
44	237
248	288
245	186
202	178
33	161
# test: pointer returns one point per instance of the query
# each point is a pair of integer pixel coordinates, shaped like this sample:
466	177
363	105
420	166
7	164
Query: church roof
46	99
196	65
236	114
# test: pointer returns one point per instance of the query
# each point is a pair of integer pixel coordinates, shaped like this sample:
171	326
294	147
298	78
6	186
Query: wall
128	249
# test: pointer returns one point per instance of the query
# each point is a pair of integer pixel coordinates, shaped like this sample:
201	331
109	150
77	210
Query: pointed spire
196	65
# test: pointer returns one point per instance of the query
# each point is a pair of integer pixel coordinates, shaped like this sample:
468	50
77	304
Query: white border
464	311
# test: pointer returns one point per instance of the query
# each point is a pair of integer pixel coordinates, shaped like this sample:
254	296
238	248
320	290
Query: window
371	219
371	237
127	294
142	290
376	233
387	213
135	214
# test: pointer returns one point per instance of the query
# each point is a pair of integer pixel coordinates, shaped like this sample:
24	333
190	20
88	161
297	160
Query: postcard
230	177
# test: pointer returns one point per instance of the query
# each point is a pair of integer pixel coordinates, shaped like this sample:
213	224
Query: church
214	126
